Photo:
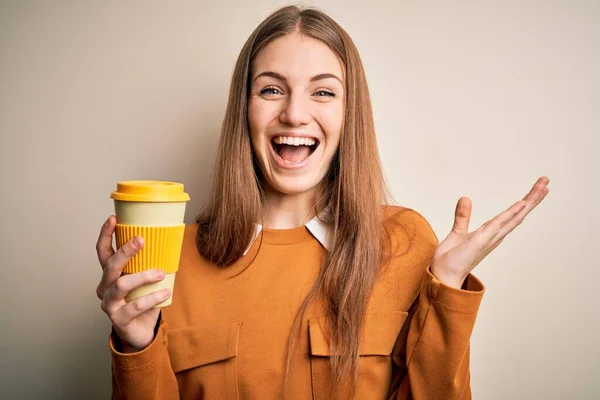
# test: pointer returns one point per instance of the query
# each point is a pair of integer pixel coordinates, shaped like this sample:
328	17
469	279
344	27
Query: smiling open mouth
294	150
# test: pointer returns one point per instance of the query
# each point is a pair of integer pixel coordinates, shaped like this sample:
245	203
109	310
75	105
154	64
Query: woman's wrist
447	279
128	348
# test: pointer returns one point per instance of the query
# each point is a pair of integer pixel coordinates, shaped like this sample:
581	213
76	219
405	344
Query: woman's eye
270	90
323	93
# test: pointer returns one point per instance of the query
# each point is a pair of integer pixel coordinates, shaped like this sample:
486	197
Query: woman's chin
293	186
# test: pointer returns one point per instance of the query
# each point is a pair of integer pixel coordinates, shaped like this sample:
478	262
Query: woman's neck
285	211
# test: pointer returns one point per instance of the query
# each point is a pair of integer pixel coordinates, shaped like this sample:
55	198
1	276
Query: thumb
462	216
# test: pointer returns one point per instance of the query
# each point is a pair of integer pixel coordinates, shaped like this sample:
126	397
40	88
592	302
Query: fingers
462	215
491	228
104	246
113	267
507	221
510	225
538	188
127	283
535	196
537	193
124	315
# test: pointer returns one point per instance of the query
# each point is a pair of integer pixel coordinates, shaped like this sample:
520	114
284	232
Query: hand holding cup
134	322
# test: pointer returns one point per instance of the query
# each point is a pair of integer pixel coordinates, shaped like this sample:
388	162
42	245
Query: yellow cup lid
150	191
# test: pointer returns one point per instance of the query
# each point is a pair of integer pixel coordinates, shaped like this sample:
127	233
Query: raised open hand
457	255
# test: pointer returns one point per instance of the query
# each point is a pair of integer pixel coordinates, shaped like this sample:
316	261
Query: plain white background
473	98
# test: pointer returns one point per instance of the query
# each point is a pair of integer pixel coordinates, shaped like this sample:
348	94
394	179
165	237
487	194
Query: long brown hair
353	191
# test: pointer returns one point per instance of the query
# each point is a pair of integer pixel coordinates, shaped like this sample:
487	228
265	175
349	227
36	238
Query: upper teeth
294	141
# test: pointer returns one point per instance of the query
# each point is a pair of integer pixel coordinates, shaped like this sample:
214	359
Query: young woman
297	282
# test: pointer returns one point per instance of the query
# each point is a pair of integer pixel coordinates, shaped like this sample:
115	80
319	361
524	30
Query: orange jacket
225	335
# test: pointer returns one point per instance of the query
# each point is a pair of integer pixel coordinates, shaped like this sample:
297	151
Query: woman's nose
295	112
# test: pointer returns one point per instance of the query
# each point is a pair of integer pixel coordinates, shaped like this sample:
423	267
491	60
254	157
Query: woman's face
295	112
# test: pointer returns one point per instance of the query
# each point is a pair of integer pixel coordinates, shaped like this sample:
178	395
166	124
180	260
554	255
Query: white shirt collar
315	226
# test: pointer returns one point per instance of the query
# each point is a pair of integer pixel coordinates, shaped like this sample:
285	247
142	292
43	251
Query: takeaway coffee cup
153	210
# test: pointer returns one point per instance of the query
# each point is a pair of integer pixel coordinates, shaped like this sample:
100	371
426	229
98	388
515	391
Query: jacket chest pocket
203	360
379	335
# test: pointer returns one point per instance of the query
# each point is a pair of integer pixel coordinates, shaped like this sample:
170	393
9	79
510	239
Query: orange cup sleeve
162	247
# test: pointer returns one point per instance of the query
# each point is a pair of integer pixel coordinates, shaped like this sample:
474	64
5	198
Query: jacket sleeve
431	355
143	375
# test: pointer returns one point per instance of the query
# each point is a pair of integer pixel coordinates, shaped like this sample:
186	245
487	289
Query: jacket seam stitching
456	310
420	335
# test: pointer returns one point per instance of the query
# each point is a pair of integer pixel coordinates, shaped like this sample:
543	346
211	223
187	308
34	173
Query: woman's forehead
297	57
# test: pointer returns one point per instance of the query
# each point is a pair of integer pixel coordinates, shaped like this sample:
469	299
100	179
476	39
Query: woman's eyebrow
271	74
280	77
324	76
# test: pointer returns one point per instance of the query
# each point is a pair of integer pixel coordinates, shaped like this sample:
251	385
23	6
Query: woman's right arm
140	361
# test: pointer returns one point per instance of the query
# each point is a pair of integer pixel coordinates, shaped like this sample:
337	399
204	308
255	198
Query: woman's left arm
432	361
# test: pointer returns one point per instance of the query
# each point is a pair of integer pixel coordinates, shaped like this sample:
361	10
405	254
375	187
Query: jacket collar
315	226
